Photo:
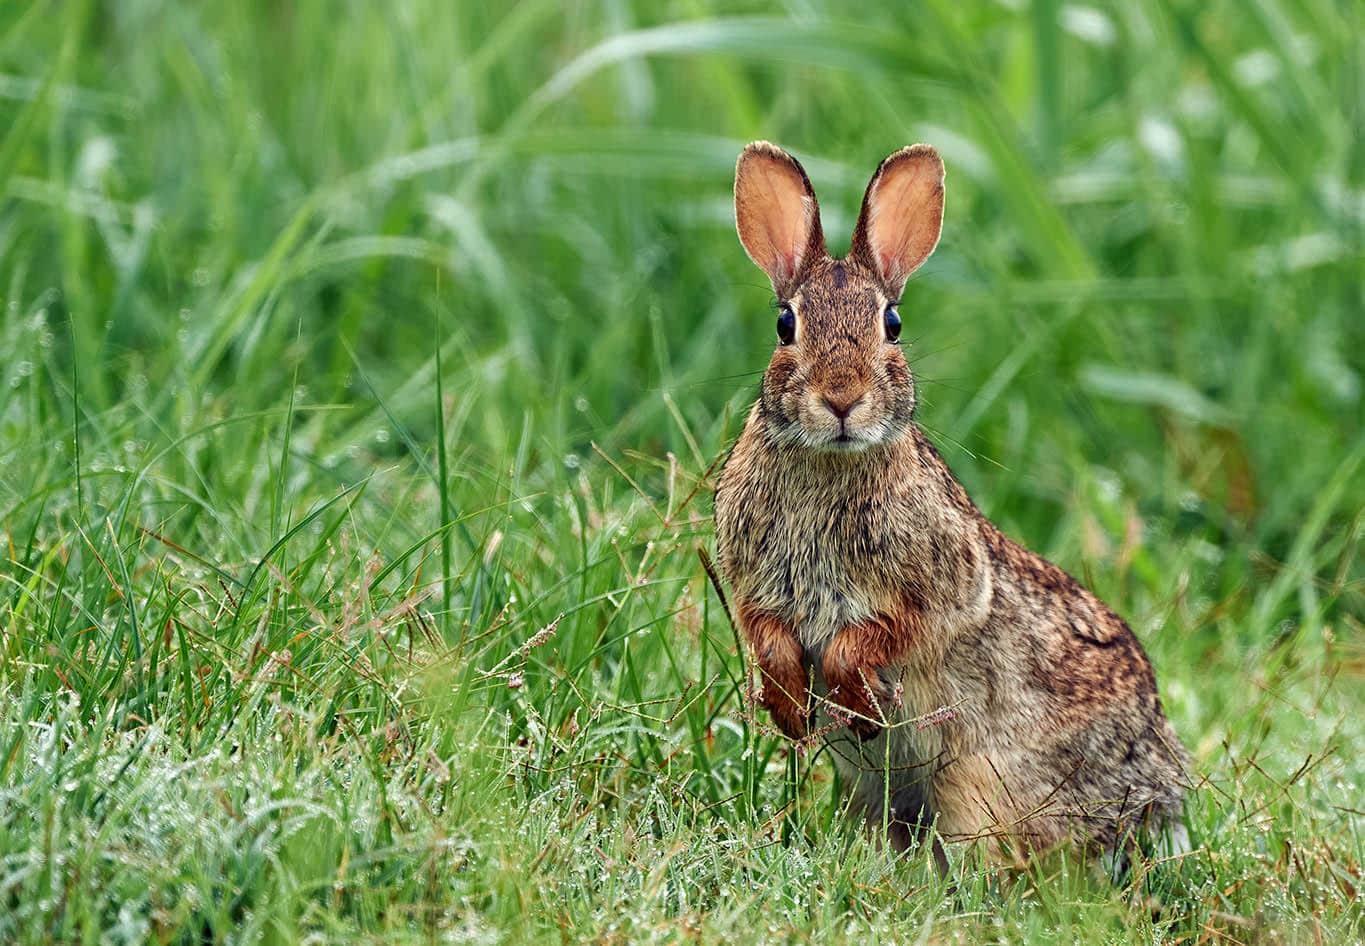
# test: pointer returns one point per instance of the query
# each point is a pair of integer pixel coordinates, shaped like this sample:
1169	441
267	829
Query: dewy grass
364	374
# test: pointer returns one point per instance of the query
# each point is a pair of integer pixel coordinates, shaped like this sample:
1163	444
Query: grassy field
365	366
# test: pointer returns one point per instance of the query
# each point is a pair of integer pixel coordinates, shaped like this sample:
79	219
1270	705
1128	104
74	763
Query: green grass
364	369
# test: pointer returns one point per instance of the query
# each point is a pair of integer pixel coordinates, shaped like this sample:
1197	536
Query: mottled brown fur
982	688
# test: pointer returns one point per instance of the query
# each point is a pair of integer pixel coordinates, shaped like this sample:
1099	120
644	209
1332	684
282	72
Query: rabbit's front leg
781	667
851	666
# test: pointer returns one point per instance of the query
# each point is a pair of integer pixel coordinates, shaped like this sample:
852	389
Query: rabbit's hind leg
1157	839
909	824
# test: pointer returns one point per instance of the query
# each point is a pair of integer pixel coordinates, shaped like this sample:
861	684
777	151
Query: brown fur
849	662
782	672
983	688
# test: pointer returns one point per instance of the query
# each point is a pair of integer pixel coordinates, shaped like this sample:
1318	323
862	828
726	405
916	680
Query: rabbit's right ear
776	215
902	215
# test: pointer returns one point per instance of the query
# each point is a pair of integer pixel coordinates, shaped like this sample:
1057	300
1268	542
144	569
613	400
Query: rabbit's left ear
902	215
776	215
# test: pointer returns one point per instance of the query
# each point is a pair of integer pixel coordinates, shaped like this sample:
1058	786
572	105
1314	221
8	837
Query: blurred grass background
365	366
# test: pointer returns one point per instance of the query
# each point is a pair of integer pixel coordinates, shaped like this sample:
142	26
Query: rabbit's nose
842	404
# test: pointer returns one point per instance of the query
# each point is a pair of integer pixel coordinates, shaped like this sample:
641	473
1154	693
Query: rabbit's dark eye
786	325
892	321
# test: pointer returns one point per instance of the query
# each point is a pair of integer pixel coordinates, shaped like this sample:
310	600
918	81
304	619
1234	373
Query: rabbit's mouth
847	438
847	443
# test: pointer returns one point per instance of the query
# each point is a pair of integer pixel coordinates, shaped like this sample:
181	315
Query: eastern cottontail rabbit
956	675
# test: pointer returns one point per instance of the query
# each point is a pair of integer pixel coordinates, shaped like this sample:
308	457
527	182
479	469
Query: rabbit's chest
815	569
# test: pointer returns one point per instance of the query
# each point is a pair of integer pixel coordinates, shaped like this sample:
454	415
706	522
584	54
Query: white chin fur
825	439
829	441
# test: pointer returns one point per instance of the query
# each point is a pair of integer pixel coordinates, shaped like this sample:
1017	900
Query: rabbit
966	687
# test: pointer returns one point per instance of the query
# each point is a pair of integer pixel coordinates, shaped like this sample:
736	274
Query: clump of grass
365	378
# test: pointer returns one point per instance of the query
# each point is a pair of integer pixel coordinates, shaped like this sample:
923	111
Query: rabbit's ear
902	215
776	215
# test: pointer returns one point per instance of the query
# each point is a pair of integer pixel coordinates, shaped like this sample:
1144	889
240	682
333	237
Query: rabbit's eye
786	325
892	321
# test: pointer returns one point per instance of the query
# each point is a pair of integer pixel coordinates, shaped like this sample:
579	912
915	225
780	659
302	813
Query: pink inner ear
889	269
791	232
782	219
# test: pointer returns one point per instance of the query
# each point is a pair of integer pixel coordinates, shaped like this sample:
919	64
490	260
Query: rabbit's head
838	380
